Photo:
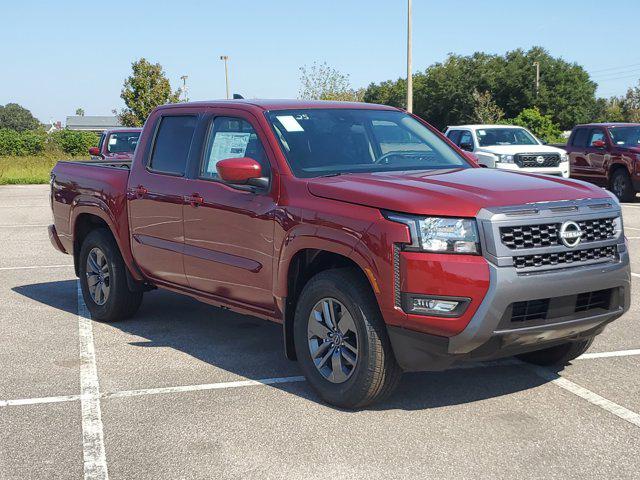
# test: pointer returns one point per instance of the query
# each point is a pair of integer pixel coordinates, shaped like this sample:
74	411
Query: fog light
435	306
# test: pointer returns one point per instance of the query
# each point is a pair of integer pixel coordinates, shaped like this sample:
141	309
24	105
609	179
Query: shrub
74	142
28	142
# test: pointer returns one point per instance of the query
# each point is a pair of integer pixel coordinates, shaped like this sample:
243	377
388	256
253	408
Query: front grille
530	160
530	310
568	257
546	234
591	300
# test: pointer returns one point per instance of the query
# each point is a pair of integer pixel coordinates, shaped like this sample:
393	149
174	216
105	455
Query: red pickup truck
116	144
607	154
375	242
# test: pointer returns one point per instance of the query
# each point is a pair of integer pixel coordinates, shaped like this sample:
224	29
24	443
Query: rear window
172	144
580	138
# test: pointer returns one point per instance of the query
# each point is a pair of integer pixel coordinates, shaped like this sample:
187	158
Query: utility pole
184	87
409	75
225	58
537	65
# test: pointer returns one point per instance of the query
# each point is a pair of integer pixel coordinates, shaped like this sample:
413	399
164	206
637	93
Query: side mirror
598	144
467	147
94	151
241	171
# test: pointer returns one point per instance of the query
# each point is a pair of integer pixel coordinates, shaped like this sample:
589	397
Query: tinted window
580	138
331	141
466	138
504	136
454	136
123	142
232	138
172	143
596	134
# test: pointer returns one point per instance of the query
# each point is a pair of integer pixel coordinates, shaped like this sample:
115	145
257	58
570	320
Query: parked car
607	154
510	148
378	245
116	144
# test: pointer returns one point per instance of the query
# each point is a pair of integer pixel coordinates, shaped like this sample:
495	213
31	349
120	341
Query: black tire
376	372
559	356
621	185
120	303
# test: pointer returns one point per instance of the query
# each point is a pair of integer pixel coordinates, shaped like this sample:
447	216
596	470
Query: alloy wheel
98	276
333	340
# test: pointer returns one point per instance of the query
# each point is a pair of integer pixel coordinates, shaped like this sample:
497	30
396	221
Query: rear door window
580	138
172	144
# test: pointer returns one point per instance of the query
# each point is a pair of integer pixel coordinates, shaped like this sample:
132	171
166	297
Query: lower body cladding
524	312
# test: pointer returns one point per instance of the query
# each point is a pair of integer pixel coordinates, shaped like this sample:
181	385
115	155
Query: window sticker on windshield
290	123
227	145
482	133
113	140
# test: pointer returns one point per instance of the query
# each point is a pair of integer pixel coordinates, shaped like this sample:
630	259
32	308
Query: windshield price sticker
290	123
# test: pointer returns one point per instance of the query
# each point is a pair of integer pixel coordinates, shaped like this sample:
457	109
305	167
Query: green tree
443	93
485	109
80	112
541	126
144	90
18	118
322	82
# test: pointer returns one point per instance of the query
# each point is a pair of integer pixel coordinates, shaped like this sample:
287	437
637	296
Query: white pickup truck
511	148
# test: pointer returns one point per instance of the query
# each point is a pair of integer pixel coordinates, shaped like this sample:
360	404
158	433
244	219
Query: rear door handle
141	191
194	199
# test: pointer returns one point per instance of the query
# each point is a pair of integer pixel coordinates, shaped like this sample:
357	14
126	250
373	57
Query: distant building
52	126
92	123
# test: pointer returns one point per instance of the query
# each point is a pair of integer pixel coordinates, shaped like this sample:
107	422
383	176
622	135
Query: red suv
607	154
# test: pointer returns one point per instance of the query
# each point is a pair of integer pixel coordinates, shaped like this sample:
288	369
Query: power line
616	78
616	74
615	68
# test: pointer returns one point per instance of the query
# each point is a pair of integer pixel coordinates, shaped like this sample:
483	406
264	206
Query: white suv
510	147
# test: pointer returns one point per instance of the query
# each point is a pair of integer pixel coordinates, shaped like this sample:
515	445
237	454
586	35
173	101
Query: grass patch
30	169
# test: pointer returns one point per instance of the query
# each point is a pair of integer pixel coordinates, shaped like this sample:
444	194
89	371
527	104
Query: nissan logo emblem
540	160
570	234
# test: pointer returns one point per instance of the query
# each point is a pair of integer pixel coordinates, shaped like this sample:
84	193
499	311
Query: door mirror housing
94	151
466	147
598	144
241	171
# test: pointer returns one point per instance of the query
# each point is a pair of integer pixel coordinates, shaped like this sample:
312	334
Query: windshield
488	137
319	142
625	136
123	142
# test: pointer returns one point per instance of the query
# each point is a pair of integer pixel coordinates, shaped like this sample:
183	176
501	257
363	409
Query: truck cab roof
279	104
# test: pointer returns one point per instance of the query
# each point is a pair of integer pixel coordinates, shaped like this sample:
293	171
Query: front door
229	231
596	157
156	196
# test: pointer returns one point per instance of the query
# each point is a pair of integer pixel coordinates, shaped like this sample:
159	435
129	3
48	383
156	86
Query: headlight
564	157
441	235
505	158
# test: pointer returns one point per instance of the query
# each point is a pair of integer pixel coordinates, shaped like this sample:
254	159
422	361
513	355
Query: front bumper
488	335
561	171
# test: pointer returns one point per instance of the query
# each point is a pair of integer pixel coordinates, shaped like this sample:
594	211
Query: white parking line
20	226
620	353
30	267
591	397
24	206
38	401
635	274
95	460
633	238
631	228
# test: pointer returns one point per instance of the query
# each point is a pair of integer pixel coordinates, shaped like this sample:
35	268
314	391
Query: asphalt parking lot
185	390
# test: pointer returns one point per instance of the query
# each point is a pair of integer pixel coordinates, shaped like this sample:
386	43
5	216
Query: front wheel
559	355
621	186
103	279
341	340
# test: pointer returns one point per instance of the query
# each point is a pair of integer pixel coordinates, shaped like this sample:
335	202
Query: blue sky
58	56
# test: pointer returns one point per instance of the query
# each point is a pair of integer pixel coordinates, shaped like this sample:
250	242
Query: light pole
537	65
409	76
184	87
224	58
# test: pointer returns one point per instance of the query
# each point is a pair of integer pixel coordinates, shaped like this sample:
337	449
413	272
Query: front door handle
194	199
141	191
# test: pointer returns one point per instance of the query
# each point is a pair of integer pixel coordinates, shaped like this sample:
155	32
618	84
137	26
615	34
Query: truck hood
513	149
455	192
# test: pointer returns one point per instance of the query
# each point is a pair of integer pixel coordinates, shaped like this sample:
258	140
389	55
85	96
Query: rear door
229	229
577	150
156	195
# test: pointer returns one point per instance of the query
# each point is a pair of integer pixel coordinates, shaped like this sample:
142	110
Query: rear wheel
103	279
559	355
621	185
341	340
